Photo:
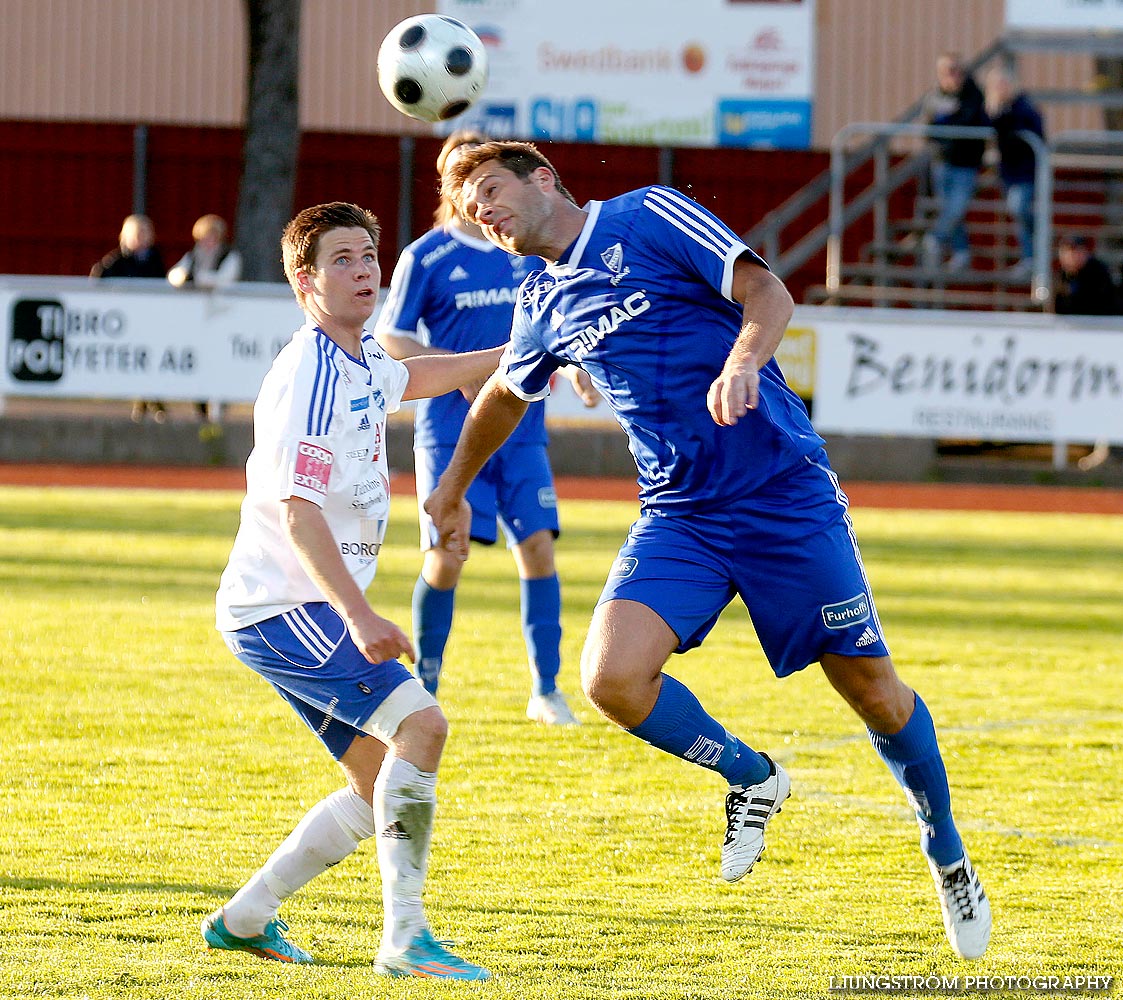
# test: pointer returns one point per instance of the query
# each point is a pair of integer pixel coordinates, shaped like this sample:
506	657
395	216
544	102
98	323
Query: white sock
329	831
405	800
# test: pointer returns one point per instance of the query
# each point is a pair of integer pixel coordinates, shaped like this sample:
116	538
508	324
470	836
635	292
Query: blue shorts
790	553
515	489
309	658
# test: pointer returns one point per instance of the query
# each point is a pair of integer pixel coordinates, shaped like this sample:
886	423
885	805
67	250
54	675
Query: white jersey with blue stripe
457	293
319	434
643	302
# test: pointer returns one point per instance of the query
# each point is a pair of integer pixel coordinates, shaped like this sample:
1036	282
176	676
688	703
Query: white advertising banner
704	73
905	373
973	380
1065	15
107	340
70	338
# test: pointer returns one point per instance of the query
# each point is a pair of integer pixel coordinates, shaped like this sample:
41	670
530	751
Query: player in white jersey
677	321
292	604
453	291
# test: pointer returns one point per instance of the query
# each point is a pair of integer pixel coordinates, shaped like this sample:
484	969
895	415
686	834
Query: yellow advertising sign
796	358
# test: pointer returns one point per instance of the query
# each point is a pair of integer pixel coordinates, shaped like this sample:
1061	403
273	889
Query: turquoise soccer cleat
271	943
428	958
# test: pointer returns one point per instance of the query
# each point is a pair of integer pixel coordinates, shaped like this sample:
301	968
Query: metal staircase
868	212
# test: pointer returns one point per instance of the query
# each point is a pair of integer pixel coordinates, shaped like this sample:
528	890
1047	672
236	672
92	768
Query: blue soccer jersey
455	292
642	301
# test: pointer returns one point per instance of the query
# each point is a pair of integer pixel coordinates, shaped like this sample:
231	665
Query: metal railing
766	234
886	181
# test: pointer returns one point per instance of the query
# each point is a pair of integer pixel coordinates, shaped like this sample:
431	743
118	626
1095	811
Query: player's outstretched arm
434	375
493	416
378	638
767	309
402	347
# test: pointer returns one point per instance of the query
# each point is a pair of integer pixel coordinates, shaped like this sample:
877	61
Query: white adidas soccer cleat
551	710
747	809
965	907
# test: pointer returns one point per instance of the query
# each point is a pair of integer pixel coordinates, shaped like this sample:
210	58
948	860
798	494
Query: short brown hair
301	240
521	158
446	210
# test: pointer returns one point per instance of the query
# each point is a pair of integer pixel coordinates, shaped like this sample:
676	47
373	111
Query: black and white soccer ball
432	67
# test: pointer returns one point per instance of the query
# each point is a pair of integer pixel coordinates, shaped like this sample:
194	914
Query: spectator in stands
956	100
136	256
1084	286
1010	112
211	263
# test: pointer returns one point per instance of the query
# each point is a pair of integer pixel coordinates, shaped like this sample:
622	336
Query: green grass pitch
146	773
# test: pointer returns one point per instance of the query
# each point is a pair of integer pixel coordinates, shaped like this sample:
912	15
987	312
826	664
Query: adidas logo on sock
867	638
395	832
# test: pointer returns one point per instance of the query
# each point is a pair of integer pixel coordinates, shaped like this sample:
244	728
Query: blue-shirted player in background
452	291
676	321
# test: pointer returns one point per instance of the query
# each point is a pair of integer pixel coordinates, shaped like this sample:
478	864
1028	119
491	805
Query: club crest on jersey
613	259
379	400
846	613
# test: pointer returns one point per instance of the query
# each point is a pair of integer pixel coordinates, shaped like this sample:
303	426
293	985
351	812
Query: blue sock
914	758
541	615
432	622
679	725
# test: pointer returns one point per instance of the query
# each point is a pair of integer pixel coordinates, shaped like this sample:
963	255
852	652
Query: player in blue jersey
676	321
454	291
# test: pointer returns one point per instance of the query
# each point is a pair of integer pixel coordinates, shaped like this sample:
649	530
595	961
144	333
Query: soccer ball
432	67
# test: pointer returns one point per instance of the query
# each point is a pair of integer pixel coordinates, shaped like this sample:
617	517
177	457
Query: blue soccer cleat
428	958
270	943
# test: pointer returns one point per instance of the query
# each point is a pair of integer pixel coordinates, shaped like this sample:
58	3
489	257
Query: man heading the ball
676	320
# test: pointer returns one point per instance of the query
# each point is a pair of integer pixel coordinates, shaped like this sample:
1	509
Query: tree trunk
269	154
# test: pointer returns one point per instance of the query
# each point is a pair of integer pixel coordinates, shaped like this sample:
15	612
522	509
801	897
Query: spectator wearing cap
1085	286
